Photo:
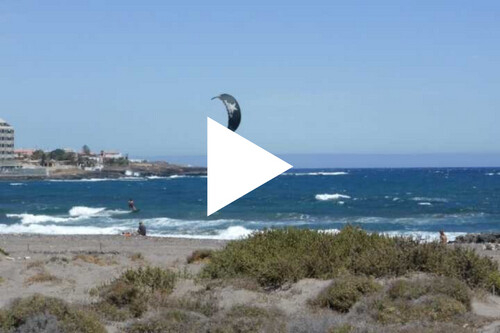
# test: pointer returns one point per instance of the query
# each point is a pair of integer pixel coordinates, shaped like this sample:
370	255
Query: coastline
133	170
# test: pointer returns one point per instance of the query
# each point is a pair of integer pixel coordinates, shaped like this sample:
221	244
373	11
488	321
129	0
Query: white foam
429	199
155	177
428	236
424	204
319	173
94	180
231	233
335	196
18	184
235	232
85	211
59	230
33	219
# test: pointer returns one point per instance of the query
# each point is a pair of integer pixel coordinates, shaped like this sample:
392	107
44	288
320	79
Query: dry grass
137	256
58	260
35	264
42	277
199	256
96	260
2	280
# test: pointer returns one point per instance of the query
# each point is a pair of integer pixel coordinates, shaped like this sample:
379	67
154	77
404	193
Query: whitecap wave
231	233
59	230
426	199
75	214
33	219
424	204
18	184
335	196
85	211
319	173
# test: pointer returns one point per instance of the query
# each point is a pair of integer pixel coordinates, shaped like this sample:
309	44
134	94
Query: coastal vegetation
345	291
199	256
46	314
129	294
274	258
3	252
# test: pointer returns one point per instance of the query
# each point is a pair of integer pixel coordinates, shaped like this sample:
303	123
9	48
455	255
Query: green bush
133	290
346	328
168	322
50	311
150	279
345	291
247	319
412	290
436	299
2	251
276	257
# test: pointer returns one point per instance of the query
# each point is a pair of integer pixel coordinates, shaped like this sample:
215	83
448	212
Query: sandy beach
58	255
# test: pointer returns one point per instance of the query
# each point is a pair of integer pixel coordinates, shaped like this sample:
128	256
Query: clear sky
351	77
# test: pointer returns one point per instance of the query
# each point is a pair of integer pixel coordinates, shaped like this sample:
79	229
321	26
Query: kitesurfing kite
233	110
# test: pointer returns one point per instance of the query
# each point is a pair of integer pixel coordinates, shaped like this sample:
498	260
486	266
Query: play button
236	166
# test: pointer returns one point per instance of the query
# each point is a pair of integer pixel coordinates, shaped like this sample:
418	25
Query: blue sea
417	202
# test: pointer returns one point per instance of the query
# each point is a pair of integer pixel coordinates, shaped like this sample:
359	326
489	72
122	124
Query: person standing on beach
443	238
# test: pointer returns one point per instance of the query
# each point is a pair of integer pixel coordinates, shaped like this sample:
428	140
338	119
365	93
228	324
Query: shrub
136	256
438	299
35	264
94	259
2	251
42	277
200	302
412	290
150	278
346	328
276	257
2	280
199	255
243	318
172	321
132	291
51	313
345	291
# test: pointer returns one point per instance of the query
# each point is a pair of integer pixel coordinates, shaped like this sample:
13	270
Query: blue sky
351	77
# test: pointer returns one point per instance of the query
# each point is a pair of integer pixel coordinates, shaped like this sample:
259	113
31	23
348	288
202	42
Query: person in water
131	204
442	237
142	229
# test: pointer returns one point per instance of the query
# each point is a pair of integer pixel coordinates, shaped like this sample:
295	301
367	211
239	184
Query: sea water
417	202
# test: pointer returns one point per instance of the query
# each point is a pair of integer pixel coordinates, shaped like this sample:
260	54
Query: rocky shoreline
479	238
155	169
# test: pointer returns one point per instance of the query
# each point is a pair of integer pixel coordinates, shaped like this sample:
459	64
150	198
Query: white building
6	145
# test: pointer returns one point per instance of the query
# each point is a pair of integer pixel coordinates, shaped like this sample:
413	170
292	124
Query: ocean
417	202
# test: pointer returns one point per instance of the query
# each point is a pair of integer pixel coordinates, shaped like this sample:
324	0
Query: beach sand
68	267
64	257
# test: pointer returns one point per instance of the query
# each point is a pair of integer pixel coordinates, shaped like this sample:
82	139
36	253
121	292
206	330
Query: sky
315	77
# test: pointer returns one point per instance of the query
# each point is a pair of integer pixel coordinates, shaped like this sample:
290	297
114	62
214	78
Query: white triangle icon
236	166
